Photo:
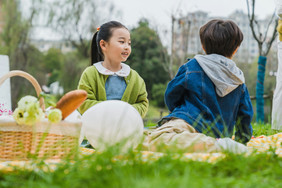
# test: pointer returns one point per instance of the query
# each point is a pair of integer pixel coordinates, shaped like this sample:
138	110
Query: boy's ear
204	49
235	51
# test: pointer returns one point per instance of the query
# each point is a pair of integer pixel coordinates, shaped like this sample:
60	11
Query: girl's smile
125	54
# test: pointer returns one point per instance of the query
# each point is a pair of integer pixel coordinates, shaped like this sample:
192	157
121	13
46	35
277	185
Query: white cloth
229	145
277	97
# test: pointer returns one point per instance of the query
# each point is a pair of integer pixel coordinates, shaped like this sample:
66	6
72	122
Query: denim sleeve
175	89
244	128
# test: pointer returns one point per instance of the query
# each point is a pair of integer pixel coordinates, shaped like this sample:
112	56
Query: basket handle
30	78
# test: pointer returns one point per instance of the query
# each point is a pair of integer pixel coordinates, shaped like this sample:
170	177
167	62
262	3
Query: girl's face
118	48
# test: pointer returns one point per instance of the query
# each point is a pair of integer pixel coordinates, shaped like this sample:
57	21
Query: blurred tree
72	70
264	44
146	57
250	73
53	63
15	43
271	69
77	20
158	91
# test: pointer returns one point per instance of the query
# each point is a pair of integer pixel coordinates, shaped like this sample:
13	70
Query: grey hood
222	71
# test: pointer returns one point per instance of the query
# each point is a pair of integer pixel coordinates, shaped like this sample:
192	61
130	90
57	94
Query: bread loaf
71	101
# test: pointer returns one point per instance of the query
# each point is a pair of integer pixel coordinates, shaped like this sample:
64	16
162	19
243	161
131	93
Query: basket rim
30	78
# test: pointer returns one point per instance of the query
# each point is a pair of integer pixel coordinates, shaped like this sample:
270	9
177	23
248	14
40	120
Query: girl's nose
127	46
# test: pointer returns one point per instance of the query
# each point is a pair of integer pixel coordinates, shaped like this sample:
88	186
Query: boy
207	98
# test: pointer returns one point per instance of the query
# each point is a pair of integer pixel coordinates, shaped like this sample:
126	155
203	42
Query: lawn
262	170
130	170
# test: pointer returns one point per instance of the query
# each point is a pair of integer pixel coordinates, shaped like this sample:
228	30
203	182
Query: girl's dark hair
221	37
105	32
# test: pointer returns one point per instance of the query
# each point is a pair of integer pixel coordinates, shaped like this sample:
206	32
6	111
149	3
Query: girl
108	78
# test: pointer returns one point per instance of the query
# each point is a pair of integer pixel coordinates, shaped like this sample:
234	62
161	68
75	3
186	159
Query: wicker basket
43	140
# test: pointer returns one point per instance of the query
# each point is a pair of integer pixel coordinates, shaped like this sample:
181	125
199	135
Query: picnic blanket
259	144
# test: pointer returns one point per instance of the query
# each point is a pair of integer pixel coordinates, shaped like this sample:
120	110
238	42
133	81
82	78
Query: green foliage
72	70
53	63
14	27
49	100
53	59
33	65
146	57
14	43
158	92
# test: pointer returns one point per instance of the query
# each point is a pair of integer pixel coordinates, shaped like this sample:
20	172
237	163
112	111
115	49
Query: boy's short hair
221	37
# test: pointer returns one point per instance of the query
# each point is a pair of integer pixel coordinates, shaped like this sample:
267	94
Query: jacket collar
222	71
123	72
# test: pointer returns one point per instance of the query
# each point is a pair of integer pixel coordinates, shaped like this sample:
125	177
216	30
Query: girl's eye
129	43
121	42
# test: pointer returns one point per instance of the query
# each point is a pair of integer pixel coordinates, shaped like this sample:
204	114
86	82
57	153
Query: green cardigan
94	83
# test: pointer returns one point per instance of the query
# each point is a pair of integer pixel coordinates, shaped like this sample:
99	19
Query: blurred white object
112	122
45	89
5	88
279	8
229	145
276	123
74	116
56	89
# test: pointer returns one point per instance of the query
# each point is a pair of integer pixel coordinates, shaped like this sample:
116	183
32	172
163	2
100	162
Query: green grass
153	115
263	129
155	112
109	169
100	170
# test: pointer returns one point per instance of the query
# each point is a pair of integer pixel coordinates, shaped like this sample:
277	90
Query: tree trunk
260	89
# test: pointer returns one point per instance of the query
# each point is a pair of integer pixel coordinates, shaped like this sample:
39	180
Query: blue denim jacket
191	96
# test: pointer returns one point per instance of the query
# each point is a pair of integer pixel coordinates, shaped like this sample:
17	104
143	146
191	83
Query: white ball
111	122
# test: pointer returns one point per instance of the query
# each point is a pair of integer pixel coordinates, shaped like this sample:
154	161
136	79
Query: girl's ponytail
96	53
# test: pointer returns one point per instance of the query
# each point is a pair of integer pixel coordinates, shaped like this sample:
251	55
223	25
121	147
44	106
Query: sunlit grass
263	129
112	169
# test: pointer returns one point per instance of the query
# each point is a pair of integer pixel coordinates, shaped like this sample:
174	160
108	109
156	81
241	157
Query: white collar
123	72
